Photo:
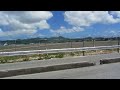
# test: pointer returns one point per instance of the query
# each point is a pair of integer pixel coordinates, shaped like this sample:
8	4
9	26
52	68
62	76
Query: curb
44	69
107	61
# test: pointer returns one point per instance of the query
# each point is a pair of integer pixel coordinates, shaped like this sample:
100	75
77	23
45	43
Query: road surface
106	71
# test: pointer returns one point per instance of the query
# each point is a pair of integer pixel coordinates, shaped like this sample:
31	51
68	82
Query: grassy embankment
13	59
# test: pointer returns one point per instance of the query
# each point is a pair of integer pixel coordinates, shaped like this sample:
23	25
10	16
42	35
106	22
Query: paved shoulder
34	63
107	71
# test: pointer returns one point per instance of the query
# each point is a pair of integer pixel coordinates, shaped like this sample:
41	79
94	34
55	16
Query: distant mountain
59	39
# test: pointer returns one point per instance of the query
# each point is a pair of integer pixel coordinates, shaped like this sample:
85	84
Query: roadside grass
22	58
11	59
26	58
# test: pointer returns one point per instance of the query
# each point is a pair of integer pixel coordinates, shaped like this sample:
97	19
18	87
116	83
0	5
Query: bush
59	55
72	54
40	57
78	53
47	56
3	60
26	58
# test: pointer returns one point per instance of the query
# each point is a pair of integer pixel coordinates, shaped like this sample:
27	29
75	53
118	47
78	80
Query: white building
5	44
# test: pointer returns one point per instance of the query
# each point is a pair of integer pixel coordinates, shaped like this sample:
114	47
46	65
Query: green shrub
26	58
40	57
59	55
72	54
47	56
35	55
3	60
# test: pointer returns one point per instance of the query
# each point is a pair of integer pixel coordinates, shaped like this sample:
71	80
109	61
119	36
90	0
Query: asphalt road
106	71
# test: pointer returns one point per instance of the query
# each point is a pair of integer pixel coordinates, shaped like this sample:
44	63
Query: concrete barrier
44	69
107	61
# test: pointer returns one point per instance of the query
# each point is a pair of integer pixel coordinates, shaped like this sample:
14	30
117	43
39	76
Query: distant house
5	44
31	43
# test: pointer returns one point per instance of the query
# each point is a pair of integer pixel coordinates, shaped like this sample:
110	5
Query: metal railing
14	53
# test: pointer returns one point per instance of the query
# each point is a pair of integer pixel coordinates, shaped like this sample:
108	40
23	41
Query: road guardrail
14	53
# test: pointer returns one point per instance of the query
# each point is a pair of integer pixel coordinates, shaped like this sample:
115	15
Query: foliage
9	59
26	58
40	57
59	55
72	54
47	56
3	60
59	39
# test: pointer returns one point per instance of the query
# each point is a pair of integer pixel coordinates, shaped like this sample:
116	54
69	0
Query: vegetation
26	58
21	58
3	60
59	39
59	55
46	56
72	54
40	57
76	43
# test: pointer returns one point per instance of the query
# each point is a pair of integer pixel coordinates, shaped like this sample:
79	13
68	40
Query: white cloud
17	33
113	33
23	22
29	16
42	24
82	19
87	18
116	13
63	30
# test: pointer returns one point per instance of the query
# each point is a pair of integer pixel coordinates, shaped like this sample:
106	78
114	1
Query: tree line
59	39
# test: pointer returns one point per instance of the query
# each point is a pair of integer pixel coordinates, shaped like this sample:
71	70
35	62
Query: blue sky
72	24
95	30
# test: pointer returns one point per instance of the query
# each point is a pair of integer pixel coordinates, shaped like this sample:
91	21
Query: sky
71	24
